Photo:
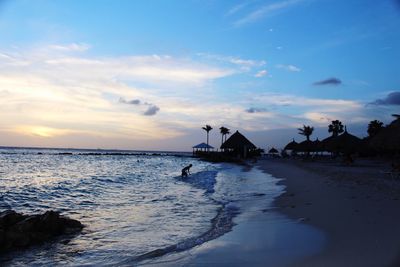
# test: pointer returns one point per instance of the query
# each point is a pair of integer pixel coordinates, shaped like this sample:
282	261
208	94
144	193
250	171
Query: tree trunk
207	143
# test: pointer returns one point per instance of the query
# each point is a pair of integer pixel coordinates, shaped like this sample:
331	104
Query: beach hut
305	146
346	143
388	139
317	146
326	144
291	146
238	144
201	147
273	151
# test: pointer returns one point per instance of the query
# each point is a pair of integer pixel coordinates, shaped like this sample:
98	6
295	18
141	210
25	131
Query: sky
148	75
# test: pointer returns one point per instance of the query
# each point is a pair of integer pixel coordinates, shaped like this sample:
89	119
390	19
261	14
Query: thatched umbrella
326	144
346	143
388	138
305	146
291	146
317	146
273	151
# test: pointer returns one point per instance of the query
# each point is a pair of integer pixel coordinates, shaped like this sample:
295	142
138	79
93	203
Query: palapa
388	138
291	146
237	141
346	143
273	151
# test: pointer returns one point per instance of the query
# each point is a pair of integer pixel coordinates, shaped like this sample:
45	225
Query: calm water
131	205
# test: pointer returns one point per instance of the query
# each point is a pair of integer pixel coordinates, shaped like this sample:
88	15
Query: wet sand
261	235
357	207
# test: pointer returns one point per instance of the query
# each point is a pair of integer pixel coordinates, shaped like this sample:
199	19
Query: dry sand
358	208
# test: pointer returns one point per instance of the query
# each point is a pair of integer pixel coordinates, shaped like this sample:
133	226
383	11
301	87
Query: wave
204	180
221	224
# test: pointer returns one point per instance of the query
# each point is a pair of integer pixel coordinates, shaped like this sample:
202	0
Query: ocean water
134	206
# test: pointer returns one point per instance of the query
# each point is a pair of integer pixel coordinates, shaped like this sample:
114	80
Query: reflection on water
138	210
130	204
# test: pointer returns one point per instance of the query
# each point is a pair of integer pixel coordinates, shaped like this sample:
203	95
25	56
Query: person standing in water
186	170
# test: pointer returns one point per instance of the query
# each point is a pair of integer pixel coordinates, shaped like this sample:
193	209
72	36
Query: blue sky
149	74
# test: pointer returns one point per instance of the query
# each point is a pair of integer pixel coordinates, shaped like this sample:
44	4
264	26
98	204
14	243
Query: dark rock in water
18	231
9	217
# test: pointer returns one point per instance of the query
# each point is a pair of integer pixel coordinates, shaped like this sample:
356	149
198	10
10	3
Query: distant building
238	145
201	147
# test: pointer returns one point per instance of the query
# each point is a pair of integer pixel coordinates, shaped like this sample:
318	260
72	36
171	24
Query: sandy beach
357	207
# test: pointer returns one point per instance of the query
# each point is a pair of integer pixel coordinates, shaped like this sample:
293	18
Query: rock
50	221
20	231
9	217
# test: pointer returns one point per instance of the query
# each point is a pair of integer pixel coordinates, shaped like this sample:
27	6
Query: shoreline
353	205
260	235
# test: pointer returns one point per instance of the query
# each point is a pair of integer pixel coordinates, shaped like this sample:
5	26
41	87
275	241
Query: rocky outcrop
18	231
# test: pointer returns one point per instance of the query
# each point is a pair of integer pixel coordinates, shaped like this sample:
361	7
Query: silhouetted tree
228	131
306	131
207	128
336	127
224	131
374	127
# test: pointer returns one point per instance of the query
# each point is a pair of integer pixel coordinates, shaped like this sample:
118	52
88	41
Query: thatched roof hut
346	143
238	143
273	151
326	144
291	146
388	138
305	146
317	146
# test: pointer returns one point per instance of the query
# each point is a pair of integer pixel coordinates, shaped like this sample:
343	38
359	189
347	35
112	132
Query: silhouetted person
186	170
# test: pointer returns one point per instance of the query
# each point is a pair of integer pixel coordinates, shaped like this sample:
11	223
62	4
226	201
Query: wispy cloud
243	64
71	47
392	98
132	102
289	67
63	91
235	9
265	11
261	73
255	110
330	81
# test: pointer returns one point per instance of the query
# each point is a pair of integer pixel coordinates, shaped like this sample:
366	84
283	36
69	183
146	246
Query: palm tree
228	131
374	127
306	131
336	127
207	128
222	130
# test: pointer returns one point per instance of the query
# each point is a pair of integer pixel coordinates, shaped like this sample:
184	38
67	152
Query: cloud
330	81
152	110
392	98
261	73
244	64
266	10
235	9
255	110
291	68
71	47
132	102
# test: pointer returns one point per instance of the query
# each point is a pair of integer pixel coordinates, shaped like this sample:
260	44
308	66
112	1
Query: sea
135	206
